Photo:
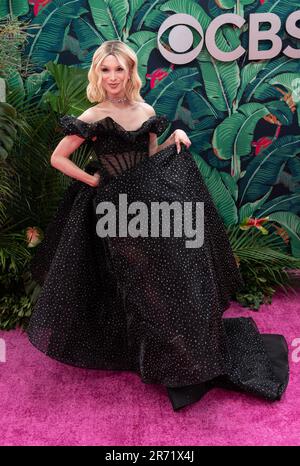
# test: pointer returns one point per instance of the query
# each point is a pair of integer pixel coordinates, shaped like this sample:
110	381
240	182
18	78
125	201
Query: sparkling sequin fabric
147	304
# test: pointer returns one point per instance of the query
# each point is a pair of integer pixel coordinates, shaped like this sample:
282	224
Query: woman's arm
154	147
177	137
60	157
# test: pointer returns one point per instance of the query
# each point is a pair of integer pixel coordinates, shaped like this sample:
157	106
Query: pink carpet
44	402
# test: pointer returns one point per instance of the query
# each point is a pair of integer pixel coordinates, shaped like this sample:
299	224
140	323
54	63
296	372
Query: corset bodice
116	148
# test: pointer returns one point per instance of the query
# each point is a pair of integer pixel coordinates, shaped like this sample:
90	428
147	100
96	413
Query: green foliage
222	190
15	8
15	305
15	311
265	264
7	129
69	95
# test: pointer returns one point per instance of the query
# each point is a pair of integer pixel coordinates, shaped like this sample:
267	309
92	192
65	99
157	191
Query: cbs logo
181	37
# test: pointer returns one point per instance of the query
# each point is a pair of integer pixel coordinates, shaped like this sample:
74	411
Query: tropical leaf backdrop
242	117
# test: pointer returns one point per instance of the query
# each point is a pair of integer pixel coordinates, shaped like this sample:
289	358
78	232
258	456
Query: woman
149	303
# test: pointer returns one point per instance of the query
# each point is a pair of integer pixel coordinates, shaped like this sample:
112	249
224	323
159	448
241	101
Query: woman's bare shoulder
148	109
92	114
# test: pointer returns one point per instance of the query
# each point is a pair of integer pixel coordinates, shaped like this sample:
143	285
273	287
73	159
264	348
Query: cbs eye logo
181	37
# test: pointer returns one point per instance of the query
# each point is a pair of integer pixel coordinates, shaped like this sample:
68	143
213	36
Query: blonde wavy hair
127	58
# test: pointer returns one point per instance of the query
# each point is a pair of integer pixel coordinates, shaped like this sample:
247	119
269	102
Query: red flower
250	222
261	144
264	142
254	222
157	75
38	5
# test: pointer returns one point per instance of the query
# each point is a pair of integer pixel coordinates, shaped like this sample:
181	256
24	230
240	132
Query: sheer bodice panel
116	148
114	164
117	155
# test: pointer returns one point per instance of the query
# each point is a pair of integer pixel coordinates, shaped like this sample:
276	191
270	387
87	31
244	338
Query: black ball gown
147	304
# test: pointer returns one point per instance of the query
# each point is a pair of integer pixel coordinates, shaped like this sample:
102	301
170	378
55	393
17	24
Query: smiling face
114	77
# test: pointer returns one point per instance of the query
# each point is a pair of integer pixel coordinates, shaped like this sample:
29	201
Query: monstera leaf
8	130
221	194
263	170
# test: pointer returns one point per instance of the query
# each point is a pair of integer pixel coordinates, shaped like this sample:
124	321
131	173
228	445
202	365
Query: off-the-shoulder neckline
93	123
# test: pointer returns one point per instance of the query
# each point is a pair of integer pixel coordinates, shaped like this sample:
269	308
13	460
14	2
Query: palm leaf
291	223
263	171
15	8
71	84
291	81
281	8
143	42
286	202
199	104
166	95
221	81
250	208
272	68
53	22
221	195
248	74
110	17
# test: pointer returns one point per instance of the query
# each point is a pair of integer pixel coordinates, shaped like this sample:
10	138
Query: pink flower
34	236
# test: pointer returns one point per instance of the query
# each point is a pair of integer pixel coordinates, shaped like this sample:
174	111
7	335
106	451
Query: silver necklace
122	99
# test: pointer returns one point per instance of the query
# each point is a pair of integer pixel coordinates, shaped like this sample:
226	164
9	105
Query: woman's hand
180	136
96	180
